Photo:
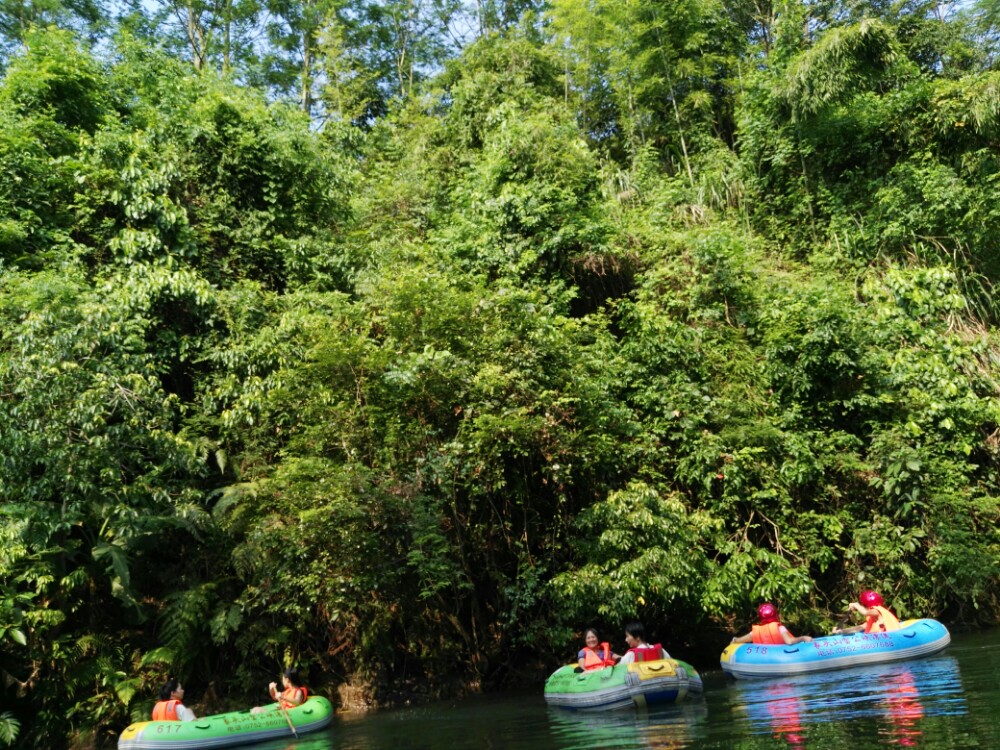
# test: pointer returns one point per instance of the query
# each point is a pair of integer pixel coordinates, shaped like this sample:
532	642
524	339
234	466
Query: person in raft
770	630
878	619
638	649
293	692
595	655
170	707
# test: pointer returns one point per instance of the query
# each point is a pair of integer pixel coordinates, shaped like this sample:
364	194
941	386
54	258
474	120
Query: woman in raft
171	706
595	655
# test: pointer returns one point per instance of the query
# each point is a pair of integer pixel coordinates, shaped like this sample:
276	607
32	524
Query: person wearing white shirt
170	707
638	649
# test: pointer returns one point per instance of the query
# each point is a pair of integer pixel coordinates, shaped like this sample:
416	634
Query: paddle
841	622
287	717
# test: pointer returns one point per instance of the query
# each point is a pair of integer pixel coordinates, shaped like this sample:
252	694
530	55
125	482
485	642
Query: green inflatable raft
225	730
622	686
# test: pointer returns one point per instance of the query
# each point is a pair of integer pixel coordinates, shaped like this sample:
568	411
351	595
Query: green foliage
233	187
525	209
9	727
32	225
649	73
57	80
644	554
50	98
843	63
408	476
638	311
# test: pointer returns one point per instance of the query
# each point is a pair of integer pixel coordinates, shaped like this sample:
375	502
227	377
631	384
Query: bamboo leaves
843	63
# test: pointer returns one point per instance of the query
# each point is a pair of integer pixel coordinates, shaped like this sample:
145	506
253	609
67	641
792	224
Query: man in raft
638	649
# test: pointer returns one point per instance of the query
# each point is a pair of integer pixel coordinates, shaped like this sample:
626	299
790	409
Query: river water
944	702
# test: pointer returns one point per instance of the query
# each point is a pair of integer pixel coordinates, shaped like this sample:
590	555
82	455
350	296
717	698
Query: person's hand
272	687
807	638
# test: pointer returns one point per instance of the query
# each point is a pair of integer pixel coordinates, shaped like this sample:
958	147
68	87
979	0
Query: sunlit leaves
57	78
844	62
643	557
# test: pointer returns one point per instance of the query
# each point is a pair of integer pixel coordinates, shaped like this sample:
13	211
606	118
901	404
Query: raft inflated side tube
623	686
226	730
913	640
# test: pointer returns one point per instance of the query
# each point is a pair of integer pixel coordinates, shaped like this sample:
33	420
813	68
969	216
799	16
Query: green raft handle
203	725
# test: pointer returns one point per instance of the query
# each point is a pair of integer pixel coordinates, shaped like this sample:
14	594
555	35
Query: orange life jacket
768	634
165	711
287	697
592	658
647	653
884	622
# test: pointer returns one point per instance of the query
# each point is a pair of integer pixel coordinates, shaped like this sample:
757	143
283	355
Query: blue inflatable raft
914	639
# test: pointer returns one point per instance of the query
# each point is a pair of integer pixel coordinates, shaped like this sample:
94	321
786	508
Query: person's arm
854	607
663	653
184	713
627	658
791	640
863	610
745	638
848	631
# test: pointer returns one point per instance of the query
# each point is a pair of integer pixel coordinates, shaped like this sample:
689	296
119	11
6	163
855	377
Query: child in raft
769	629
294	693
878	619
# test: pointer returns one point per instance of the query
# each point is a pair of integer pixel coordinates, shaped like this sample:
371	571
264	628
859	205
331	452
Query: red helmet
870	598
767	612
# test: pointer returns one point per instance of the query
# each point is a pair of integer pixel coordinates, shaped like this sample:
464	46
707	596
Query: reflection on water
896	696
784	713
903	709
670	727
314	741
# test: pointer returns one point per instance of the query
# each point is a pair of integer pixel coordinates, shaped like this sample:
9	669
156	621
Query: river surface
943	702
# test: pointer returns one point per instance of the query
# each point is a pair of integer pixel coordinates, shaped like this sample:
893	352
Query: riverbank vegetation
399	341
